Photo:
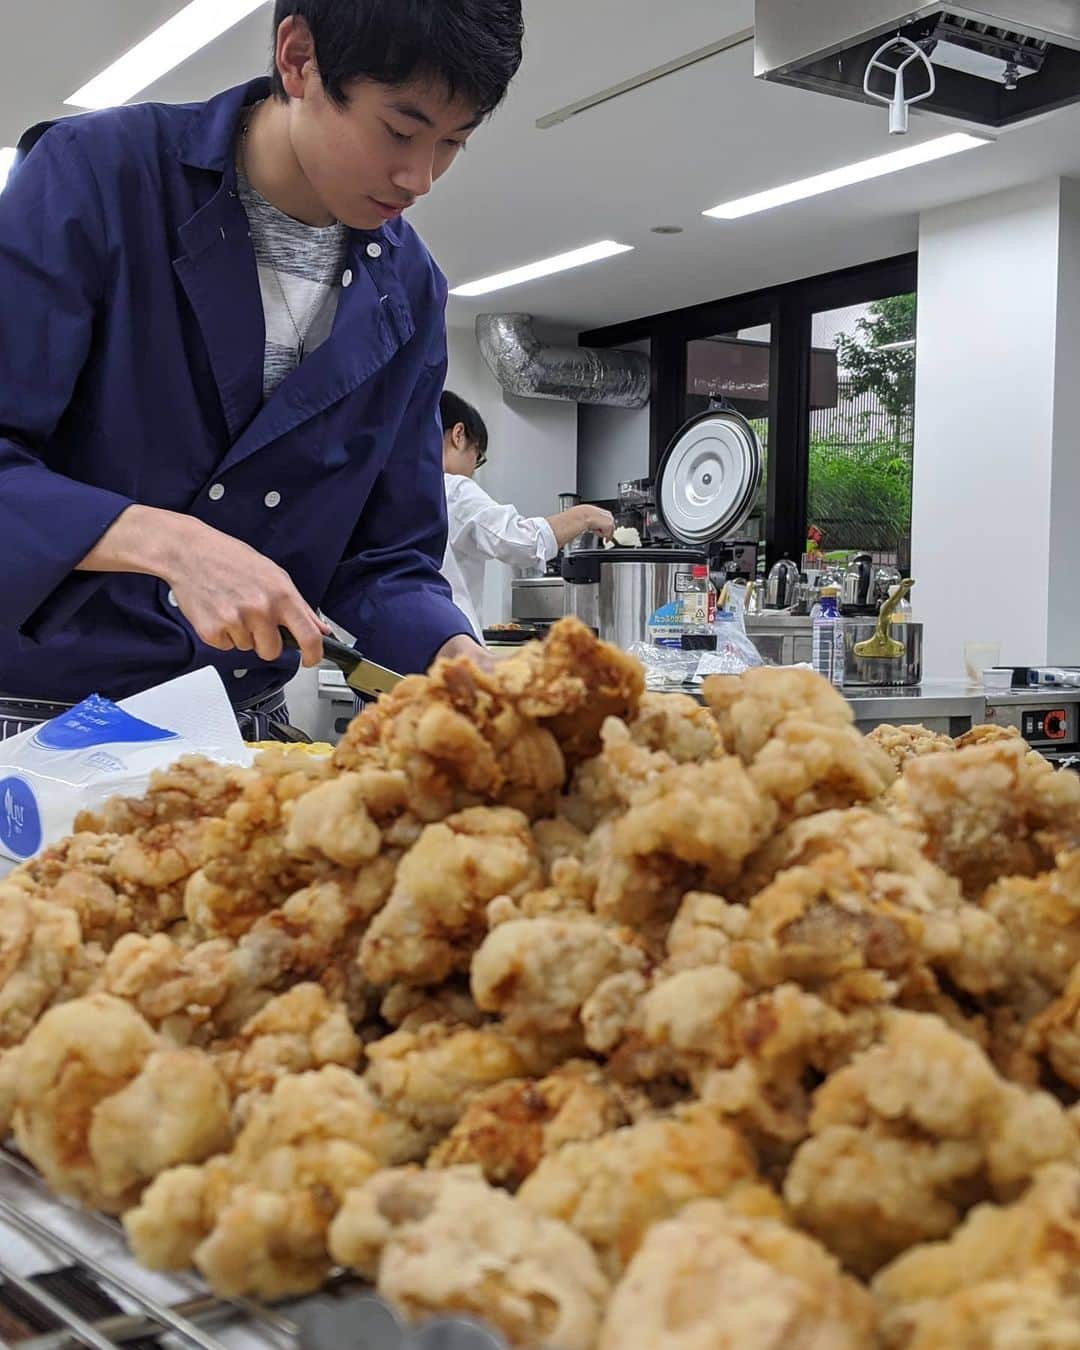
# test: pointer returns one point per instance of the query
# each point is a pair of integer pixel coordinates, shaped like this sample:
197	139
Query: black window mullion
789	447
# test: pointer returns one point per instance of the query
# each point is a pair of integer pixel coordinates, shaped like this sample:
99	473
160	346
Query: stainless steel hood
997	62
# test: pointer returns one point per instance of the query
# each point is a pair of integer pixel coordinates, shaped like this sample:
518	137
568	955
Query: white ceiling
656	156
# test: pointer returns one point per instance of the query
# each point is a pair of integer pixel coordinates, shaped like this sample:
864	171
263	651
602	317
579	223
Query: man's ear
459	436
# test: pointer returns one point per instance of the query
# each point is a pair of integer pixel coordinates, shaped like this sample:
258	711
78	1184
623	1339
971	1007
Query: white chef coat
480	529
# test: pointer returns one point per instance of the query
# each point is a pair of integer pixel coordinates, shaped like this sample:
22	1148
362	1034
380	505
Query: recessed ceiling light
666	229
562	262
865	169
7	161
188	31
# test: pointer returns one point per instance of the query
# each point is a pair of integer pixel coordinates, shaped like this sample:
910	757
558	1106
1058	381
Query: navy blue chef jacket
131	365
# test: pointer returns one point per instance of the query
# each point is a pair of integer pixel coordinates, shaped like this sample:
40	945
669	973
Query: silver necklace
309	319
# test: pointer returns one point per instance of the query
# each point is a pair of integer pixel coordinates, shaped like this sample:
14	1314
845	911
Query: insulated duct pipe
522	366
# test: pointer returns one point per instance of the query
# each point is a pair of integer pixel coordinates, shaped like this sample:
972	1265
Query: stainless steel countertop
933	698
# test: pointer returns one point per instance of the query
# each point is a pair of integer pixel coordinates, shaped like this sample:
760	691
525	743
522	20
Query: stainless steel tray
345	1316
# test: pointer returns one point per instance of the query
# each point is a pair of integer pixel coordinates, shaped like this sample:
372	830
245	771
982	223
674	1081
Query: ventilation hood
997	63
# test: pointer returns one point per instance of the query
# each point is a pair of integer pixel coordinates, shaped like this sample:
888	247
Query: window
862	438
824	369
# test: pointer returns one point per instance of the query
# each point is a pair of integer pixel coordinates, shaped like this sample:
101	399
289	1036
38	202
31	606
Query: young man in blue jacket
221	356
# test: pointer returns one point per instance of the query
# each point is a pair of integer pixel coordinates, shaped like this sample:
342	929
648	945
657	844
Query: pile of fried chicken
615	1020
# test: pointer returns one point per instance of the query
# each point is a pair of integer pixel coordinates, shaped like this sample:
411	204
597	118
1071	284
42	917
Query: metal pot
877	671
617	591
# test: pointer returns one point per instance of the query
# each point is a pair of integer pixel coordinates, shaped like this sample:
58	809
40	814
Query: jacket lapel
219	276
369	329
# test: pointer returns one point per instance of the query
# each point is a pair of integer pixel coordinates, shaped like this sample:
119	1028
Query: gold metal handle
881	647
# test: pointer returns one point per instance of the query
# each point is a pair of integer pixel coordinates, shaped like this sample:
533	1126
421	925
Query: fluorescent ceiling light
188	31
562	262
908	158
7	160
904	346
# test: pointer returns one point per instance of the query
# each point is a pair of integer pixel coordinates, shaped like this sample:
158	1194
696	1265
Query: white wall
613	445
996	478
532	448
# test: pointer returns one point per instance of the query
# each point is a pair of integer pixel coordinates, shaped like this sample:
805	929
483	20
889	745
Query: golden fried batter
750	707
255	1220
992	810
709	1279
100	1107
1006	1277
909	1135
439	1241
507	1129
613	1188
435	916
42	960
904	743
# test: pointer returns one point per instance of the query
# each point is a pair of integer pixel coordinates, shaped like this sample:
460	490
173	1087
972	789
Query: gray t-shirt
300	270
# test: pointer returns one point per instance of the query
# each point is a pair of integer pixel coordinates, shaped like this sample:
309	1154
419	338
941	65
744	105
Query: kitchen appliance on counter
879	653
704	491
537	599
1048	719
617	590
857	589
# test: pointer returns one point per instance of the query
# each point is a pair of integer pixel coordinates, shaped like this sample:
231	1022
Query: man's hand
233	597
598	520
462	645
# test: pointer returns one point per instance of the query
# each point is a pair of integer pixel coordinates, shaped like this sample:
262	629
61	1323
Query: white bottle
828	646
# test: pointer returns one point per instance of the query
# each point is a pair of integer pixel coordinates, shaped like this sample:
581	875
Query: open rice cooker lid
709	477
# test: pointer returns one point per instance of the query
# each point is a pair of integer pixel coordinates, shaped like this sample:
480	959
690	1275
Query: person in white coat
481	529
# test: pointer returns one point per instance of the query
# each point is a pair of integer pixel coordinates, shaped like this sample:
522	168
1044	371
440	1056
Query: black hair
473	47
453	409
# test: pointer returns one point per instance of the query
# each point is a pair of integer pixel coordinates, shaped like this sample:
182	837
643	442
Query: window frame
788	309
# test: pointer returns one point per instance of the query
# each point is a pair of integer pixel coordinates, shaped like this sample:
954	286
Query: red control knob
1054	725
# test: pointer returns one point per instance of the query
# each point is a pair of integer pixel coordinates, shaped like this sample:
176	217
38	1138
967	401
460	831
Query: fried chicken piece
751	1056
1006	1277
809	767
537	973
247	869
709	1279
434	919
408	1008
1055	1033
42	960
908	742
465	737
295	1032
557	840
255	1220
9	1083
985	735
612	1189
332	821
191	788
507	1129
100	1107
991	811
702	931
186	993
1041	917
115	884
696	823
911	1134
669	729
429	1076
434	1242
749	708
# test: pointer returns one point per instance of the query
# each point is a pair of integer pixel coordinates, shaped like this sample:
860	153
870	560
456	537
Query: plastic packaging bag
100	749
670	667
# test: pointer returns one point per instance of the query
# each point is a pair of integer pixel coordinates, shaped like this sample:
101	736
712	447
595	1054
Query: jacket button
346	278
272	499
374	250
216	492
239	674
171	597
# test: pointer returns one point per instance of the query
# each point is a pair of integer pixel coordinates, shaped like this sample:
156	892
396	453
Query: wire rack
80	1294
